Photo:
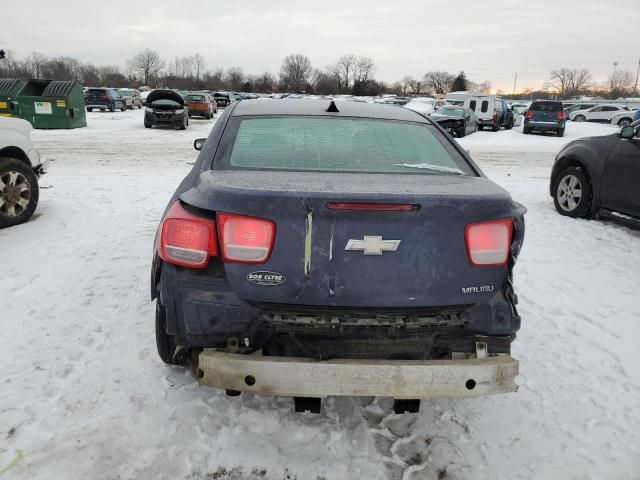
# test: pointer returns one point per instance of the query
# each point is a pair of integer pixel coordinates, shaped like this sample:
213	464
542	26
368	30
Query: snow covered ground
84	395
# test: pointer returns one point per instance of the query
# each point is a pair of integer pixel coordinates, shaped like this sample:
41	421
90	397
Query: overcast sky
489	40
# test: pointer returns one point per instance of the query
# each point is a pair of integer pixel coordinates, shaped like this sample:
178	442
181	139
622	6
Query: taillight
529	114
186	239
562	116
245	239
488	243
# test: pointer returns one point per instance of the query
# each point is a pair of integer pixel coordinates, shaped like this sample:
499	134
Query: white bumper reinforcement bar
400	379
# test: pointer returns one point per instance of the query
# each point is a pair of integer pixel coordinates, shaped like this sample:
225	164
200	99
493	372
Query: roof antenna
332	107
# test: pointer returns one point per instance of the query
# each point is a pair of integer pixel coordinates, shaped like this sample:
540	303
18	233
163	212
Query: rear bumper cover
540	125
399	379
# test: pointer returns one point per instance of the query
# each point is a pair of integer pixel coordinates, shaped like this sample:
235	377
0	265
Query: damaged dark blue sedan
322	248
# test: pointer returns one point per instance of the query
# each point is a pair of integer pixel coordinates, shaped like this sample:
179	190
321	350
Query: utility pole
613	79
514	84
635	88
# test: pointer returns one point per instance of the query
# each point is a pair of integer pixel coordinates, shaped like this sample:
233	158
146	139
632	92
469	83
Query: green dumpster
52	104
9	88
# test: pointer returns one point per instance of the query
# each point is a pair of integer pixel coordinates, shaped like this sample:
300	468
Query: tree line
349	74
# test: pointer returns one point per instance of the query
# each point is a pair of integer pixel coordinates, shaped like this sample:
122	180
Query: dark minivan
545	115
104	99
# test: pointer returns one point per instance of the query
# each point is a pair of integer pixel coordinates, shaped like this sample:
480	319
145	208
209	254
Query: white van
488	108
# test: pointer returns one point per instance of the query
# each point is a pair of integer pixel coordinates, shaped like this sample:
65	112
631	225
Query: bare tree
295	72
147	63
199	65
234	78
569	82
621	83
36	61
344	68
439	82
482	87
264	83
363	69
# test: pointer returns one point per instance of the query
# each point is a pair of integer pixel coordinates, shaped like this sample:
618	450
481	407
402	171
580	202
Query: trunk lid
309	264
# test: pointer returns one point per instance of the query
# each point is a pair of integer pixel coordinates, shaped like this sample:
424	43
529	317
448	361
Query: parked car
508	117
459	121
545	116
20	167
422	105
489	109
131	97
624	117
599	113
396	281
599	176
104	99
568	110
223	99
144	95
166	108
201	104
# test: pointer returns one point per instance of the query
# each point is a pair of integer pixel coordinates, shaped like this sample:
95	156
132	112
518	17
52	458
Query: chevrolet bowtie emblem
372	245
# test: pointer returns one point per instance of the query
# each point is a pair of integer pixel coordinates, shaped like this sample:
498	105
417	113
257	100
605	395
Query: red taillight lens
186	239
488	243
245	239
529	114
562	116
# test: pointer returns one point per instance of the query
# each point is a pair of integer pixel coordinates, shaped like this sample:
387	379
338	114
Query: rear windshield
341	145
195	98
546	107
453	112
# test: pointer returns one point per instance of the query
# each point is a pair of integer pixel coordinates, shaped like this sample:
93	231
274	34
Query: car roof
319	108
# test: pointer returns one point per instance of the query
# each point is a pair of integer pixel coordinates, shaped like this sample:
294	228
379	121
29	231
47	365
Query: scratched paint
307	245
18	458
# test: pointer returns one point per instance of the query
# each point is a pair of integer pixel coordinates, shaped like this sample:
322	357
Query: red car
201	104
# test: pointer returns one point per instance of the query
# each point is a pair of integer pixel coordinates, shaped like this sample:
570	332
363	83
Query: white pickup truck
20	167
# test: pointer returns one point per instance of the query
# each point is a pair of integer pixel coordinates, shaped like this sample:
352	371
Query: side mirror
199	143
628	132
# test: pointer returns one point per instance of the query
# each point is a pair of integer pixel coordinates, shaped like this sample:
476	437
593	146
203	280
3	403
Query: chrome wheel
569	193
580	118
15	193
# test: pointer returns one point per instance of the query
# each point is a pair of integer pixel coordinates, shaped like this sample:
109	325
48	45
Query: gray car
459	121
599	176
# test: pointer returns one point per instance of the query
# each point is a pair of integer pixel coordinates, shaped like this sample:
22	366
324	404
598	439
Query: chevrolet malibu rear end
321	249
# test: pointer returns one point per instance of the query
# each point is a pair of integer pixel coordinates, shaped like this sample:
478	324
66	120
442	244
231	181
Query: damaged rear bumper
400	379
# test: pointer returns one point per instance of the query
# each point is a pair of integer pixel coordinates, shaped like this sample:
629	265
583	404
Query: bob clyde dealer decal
266	278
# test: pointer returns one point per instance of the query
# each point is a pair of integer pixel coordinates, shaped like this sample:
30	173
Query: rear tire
580	118
89	109
165	342
124	108
526	131
625	122
495	127
560	132
112	108
572	193
18	192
